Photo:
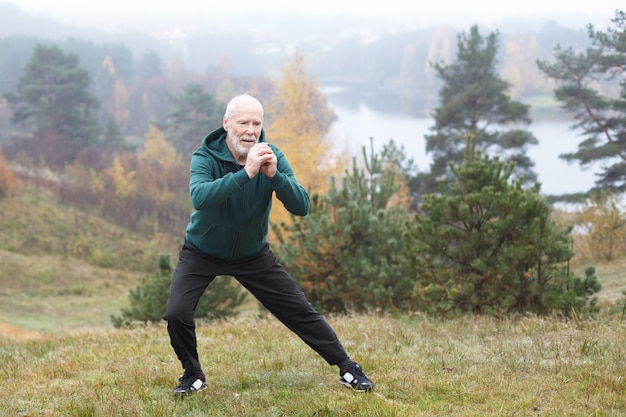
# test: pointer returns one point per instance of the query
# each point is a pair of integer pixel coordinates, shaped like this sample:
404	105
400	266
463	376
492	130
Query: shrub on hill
147	301
485	244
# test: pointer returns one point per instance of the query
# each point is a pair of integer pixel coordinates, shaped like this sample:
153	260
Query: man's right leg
189	281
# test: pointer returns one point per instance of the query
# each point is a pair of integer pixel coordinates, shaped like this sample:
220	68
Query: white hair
231	108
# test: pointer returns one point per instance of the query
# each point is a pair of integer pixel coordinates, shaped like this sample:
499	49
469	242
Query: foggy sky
154	14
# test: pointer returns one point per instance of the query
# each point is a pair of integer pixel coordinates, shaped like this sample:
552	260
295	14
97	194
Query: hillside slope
66	269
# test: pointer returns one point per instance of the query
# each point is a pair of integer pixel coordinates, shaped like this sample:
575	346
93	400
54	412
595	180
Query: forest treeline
133	73
473	234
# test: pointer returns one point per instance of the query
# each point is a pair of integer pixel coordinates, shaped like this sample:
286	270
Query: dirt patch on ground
15	333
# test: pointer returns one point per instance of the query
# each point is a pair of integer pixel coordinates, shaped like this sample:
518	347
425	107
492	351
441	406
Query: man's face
244	129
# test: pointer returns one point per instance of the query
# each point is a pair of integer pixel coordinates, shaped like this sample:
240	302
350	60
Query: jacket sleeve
293	196
207	187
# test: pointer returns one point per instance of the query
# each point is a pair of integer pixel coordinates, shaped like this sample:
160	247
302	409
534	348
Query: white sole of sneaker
347	384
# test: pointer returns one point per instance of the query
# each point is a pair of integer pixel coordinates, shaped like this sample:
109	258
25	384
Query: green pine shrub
345	254
487	245
147	301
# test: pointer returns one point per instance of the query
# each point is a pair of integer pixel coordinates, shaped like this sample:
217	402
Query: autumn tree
117	188
53	100
602	225
592	86
297	120
474	102
146	190
113	93
162	179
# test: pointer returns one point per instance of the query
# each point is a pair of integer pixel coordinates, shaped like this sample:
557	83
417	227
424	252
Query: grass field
59	355
474	366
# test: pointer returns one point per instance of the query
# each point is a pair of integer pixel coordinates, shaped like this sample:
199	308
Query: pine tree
113	139
487	245
53	100
346	252
148	300
474	102
591	86
195	114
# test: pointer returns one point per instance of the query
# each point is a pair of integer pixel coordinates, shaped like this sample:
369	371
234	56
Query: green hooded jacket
231	217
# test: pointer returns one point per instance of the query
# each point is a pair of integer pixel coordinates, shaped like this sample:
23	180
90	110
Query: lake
357	123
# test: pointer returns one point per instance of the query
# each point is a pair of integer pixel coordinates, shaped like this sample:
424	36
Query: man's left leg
269	282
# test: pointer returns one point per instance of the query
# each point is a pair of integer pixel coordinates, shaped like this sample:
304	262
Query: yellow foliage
107	64
602	222
159	167
97	182
402	197
156	148
123	178
297	120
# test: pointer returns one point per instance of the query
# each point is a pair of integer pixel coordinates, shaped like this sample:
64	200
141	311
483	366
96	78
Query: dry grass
474	366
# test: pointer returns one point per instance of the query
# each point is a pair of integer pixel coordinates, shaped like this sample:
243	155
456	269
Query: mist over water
356	124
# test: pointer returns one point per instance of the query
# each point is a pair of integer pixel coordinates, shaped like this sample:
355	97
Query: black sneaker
190	384
353	376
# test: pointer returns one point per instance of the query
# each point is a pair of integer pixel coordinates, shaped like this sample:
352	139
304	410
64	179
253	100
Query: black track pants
267	280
